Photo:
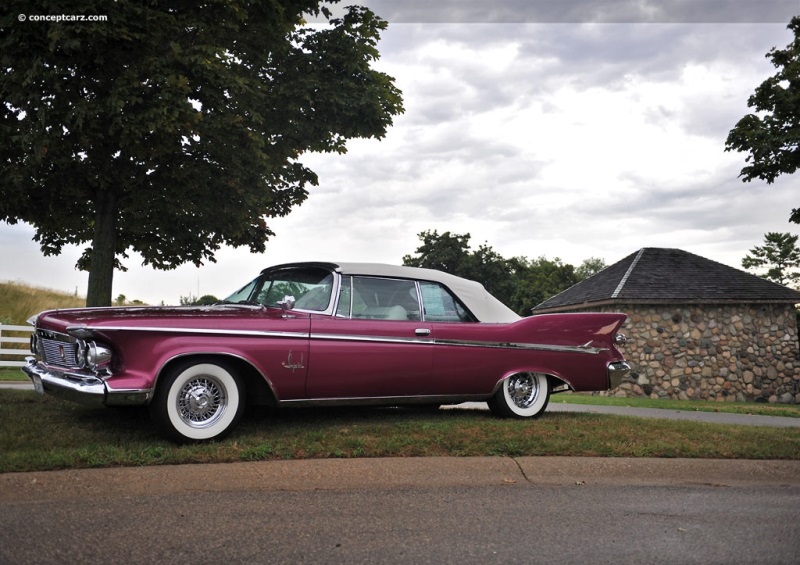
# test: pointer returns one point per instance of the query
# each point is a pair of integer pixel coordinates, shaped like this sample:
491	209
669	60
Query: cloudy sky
569	129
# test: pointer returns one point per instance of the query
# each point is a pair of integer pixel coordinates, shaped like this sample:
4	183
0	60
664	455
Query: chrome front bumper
616	372
81	388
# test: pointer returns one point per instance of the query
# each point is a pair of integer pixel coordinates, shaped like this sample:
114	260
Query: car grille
58	349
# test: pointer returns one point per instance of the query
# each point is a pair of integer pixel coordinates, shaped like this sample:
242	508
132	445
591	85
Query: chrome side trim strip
585	348
383	400
201	331
371	338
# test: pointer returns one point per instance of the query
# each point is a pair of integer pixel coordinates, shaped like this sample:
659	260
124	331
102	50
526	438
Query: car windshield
309	286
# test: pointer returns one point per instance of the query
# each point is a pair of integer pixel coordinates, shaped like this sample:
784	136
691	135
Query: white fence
14	335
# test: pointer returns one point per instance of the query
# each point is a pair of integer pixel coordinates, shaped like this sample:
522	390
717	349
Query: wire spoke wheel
202	401
198	401
523	395
523	390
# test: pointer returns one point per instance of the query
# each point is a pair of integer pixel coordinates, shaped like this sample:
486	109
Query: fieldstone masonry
737	352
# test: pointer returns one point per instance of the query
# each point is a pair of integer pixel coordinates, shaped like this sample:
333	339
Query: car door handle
422	331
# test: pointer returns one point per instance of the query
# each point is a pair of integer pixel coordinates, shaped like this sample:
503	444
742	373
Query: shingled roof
653	275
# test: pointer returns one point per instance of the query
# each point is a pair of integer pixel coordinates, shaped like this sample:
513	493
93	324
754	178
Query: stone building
696	329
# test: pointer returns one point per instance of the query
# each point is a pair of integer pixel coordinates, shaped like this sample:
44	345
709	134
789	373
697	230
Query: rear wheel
524	395
198	401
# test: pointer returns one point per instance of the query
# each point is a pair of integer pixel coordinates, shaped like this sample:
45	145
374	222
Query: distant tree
451	253
772	137
519	283
779	255
446	252
539	280
174	128
590	267
122	300
205	300
497	274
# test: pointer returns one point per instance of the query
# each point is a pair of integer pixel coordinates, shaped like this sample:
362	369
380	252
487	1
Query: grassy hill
19	301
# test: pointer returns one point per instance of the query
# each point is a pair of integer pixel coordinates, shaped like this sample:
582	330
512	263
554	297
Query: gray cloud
487	175
582	11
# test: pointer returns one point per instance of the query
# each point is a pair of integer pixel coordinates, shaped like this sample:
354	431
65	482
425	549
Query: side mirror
287	303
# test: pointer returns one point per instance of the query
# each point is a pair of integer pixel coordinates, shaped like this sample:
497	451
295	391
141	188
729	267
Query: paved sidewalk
21	385
400	472
693	415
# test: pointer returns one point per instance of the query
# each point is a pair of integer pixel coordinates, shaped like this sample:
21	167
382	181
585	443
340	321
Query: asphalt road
427	510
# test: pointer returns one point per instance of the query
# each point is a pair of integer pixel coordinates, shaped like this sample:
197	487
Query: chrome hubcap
523	390
201	402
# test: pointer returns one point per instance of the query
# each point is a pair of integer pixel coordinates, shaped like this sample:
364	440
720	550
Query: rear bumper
616	372
82	388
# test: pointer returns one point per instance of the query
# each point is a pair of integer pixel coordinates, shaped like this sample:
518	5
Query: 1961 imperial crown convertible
310	334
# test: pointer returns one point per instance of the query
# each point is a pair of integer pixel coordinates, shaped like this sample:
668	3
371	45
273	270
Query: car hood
186	316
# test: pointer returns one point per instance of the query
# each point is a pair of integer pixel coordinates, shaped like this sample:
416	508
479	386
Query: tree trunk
101	268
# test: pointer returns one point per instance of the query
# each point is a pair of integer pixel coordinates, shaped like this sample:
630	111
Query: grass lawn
42	433
12	374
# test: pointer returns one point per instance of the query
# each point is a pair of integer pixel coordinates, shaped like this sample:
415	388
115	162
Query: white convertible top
475	297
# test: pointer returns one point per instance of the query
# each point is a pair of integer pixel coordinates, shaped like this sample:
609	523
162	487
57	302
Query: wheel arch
557	382
258	389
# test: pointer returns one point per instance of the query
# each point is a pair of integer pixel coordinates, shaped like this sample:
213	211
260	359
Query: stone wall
744	352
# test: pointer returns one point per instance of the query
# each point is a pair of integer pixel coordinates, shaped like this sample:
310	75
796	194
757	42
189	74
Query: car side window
343	306
243	294
376	298
441	306
310	287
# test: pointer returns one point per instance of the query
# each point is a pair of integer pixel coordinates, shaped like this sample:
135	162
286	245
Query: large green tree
541	279
779	255
772	135
173	128
452	254
590	267
518	282
444	252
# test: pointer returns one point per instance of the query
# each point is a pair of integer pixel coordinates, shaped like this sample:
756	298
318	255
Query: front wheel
198	401
524	395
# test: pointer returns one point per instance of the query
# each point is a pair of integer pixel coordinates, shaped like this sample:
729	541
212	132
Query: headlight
80	354
98	357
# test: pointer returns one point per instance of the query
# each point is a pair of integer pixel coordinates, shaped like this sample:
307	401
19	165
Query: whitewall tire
198	401
524	395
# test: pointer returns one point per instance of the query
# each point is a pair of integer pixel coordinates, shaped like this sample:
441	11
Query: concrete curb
392	473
